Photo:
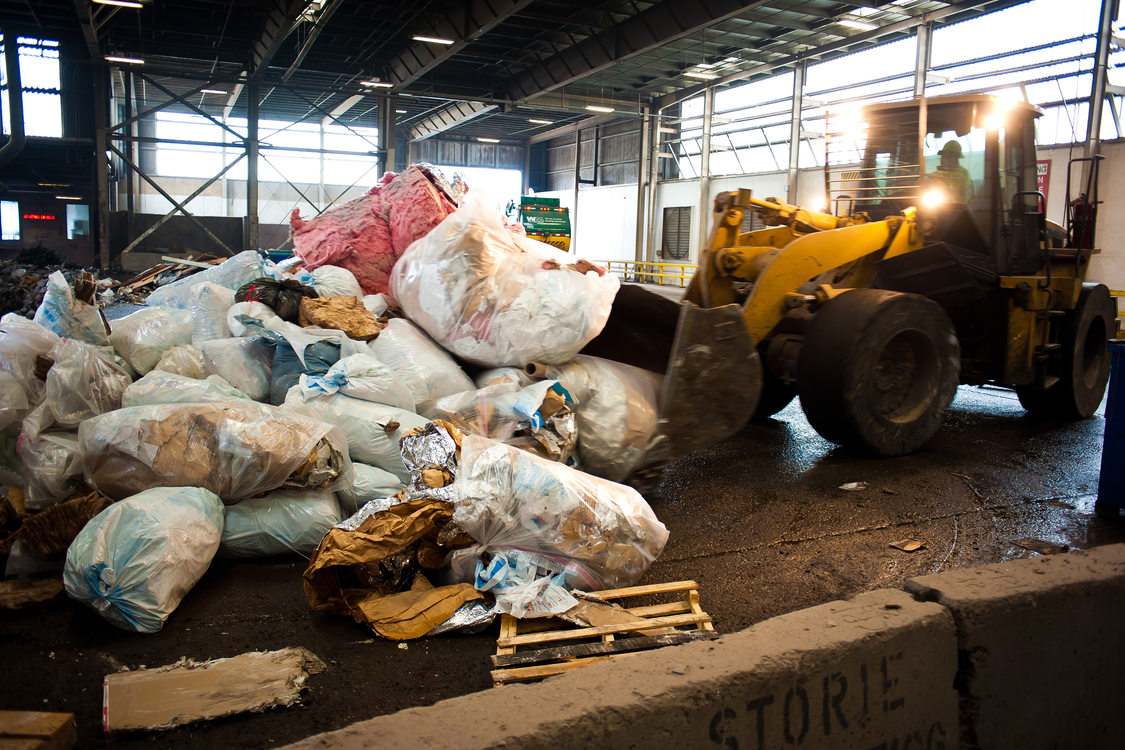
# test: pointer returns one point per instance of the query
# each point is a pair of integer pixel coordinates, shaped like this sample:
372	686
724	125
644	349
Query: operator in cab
955	177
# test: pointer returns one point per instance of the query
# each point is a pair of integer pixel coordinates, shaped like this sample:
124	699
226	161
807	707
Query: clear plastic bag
184	360
422	365
372	430
67	316
500	375
82	383
368	483
135	561
13	401
618	413
52	466
235	449
245	363
143	337
21	341
333	281
359	376
160	387
495	299
209	305
279	523
592	532
231	273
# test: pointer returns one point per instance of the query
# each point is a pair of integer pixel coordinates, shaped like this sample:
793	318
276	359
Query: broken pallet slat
38	730
568	635
640	643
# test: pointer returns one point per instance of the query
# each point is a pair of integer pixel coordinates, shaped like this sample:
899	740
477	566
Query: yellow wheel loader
934	266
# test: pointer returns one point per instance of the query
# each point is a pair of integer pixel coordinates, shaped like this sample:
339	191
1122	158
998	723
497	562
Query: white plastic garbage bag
373	430
333	281
143	337
134	562
618	413
160	387
183	360
495	299
245	363
231	273
501	375
21	341
209	305
425	367
13	401
82	383
587	532
359	376
52	465
67	316
279	523
369	482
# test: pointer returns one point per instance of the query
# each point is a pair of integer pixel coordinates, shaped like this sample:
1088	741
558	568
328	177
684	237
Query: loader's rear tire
1084	370
878	369
776	395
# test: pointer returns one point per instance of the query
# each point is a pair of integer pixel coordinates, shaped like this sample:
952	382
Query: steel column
705	167
795	132
1101	62
923	35
130	148
642	183
577	182
653	183
387	133
101	162
252	164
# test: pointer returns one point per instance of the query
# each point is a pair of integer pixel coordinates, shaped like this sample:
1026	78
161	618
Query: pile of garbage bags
409	411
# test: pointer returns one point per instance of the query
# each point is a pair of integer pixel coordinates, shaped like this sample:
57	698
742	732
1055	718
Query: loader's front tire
1084	369
878	369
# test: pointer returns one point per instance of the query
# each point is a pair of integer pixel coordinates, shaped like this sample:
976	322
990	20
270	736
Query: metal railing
666	274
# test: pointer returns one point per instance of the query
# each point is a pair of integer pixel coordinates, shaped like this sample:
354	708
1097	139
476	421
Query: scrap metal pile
367	404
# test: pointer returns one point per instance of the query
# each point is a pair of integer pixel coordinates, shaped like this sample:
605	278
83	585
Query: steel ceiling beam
279	23
86	22
447	118
463	24
649	29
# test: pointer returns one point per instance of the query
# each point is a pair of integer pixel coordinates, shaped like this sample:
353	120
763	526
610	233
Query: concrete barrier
1042	662
872	672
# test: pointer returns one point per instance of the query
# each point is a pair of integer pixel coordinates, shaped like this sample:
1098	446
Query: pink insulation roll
367	235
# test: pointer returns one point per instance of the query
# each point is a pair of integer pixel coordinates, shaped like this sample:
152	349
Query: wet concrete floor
759	521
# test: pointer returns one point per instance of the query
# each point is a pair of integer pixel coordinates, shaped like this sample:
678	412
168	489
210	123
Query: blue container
277	257
1111	482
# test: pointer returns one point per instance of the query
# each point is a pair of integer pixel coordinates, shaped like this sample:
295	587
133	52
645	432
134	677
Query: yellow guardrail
667	274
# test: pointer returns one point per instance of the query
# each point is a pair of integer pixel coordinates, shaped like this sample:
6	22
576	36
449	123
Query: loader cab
966	162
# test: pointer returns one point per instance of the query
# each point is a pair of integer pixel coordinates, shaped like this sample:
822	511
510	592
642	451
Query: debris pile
403	403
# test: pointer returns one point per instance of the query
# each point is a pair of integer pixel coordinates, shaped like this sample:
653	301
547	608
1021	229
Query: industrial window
42	94
9	220
77	220
676	233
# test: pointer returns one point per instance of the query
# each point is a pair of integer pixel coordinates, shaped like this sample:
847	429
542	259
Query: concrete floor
759	521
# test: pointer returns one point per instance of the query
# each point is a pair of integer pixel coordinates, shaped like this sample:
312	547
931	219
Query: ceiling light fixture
700	75
489	140
540	122
120	3
125	60
433	39
376	84
597	108
221	92
400	111
851	23
68	198
53	184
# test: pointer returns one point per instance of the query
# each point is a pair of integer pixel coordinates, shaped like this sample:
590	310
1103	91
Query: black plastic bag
283	296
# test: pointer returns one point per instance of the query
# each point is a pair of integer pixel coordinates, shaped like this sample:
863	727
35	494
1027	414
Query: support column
387	133
653	183
577	182
705	168
131	149
795	132
101	163
642	180
252	164
923	36
1101	63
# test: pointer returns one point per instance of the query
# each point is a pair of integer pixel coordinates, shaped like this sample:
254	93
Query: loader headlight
933	198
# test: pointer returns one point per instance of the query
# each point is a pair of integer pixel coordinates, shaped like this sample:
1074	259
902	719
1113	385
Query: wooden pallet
526	649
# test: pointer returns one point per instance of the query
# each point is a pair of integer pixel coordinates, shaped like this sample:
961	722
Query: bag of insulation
143	337
82	383
359	376
68	316
545	528
184	360
426	369
21	341
13	401
333	281
209	305
167	388
368	482
279	523
231	273
134	562
372	430
52	465
494	299
618	413
236	449
245	363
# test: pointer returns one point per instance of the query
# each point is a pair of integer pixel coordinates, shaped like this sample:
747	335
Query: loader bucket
712	373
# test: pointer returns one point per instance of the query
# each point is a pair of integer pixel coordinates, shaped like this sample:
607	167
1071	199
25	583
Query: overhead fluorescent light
120	3
540	122
489	140
700	75
125	60
433	39
400	111
377	84
53	184
597	108
221	92
852	23
69	198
